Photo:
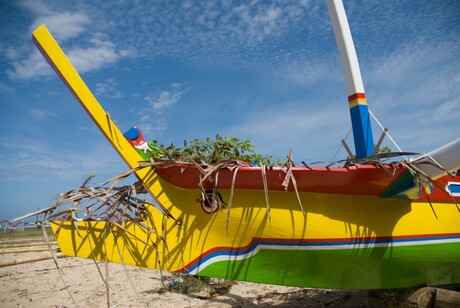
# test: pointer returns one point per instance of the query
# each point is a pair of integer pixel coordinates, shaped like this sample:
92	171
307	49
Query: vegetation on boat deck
212	151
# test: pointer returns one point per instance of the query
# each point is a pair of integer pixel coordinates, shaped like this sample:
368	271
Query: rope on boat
340	146
383	129
385	133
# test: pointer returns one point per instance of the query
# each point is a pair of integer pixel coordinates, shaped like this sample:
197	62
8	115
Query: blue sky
264	70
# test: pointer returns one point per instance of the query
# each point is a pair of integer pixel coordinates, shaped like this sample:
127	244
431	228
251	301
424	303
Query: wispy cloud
32	159
209	31
198	31
64	25
102	52
153	128
109	88
167	98
311	132
33	66
99	52
306	72
403	86
449	110
4	88
41	114
156	103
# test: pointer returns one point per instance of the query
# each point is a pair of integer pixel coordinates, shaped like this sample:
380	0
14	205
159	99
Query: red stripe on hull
365	180
355	180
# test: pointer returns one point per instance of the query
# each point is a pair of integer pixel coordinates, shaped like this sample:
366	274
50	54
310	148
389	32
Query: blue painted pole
361	124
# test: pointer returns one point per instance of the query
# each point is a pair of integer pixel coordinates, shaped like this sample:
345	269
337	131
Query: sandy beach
39	284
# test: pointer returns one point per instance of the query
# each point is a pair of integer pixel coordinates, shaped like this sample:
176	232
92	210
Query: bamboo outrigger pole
362	130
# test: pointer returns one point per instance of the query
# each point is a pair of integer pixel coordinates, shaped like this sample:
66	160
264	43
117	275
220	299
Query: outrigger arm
68	74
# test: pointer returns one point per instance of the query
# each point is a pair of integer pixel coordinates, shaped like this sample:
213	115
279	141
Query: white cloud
449	110
102	53
35	6
413	91
11	53
4	88
41	114
313	132
32	159
150	124
109	88
210	31
153	128
33	66
306	72
64	25
166	98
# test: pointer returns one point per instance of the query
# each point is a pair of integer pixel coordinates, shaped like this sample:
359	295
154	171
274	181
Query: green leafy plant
213	151
385	149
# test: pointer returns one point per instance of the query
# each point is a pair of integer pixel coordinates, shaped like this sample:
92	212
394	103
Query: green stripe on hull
373	268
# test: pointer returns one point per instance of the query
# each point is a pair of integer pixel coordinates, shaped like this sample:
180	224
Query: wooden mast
362	130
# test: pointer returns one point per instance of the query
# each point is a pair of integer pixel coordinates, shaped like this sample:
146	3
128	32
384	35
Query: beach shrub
190	284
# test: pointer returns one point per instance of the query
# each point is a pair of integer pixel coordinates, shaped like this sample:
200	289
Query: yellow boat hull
339	241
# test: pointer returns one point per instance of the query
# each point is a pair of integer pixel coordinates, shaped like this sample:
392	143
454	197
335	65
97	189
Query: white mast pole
362	130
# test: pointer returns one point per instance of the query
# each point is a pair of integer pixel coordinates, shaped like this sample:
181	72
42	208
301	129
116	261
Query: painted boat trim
257	244
453	188
367	180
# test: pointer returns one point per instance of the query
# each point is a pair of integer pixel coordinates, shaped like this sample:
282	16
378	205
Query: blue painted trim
132	134
454	188
362	131
295	244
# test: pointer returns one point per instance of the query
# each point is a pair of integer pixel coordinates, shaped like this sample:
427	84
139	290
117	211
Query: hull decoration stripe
234	254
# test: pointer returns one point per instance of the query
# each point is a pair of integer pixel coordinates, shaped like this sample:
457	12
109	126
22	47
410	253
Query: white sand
38	284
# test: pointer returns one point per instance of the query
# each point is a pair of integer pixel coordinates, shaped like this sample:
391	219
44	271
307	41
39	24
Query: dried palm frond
230	200
263	169
114	206
290	177
421	179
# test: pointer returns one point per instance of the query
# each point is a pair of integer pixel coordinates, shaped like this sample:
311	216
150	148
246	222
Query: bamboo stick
4	263
26	249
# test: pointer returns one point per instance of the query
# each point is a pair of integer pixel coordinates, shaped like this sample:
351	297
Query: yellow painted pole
69	75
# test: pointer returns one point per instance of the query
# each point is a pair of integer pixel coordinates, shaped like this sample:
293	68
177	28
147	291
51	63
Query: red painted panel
353	180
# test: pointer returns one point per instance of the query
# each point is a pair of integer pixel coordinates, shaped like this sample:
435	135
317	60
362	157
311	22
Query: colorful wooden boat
360	226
